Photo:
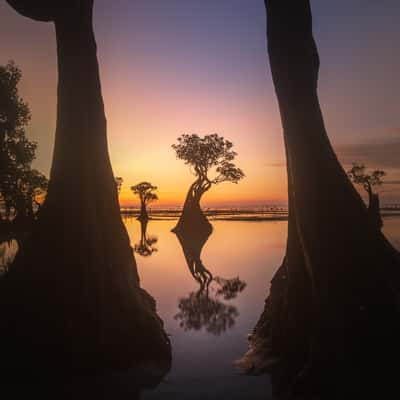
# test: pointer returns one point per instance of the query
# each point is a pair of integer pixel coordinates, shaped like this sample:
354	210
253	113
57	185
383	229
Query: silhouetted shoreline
245	215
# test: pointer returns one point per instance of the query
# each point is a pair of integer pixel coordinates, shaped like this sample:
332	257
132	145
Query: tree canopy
358	174
20	185
209	153
145	191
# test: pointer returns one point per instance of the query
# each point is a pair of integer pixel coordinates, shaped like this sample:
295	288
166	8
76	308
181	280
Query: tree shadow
146	246
207	308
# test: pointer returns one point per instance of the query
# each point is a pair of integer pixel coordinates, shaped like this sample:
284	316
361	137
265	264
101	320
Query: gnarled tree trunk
192	217
338	263
73	295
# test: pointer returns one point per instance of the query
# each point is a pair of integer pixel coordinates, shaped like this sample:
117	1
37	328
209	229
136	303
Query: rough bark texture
192	218
72	298
340	266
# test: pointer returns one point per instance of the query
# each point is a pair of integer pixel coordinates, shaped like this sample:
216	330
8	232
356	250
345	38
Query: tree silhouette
31	188
14	112
72	298
204	155
145	192
359	176
333	305
20	185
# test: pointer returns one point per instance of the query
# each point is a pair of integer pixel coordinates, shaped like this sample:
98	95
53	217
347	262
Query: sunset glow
183	69
200	199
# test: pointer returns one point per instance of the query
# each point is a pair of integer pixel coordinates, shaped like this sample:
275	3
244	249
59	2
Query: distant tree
145	192
359	175
119	182
21	187
211	154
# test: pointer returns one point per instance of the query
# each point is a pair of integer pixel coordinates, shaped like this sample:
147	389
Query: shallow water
209	332
202	361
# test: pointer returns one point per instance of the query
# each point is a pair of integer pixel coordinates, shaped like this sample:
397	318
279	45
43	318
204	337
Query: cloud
280	164
393	132
378	153
392	182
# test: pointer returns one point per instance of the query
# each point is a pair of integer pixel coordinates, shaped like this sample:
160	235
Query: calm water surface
202	357
209	309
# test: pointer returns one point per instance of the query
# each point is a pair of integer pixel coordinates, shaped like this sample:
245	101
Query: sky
186	66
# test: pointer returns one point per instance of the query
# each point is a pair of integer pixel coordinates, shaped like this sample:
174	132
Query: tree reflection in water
146	246
229	288
205	308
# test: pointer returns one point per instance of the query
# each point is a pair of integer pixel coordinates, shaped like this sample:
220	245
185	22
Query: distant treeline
228	214
210	211
271	213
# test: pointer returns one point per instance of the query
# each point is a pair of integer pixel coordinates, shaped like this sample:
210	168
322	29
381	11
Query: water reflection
146	246
205	308
8	251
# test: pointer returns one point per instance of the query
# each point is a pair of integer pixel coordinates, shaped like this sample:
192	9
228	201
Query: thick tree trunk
345	270
74	291
192	217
